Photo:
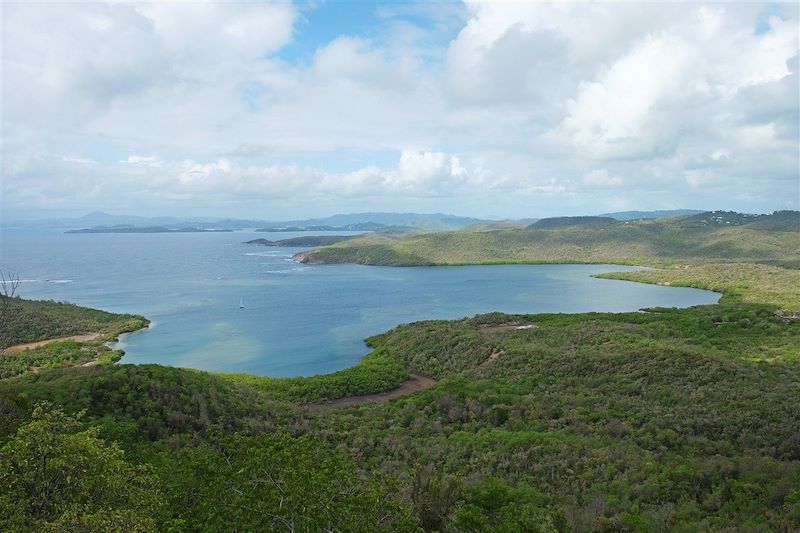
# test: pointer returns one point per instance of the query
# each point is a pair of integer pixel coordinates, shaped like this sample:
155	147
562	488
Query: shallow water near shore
298	319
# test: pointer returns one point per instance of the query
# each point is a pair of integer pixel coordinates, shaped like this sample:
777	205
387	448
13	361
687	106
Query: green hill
570	222
665	420
708	237
660	420
661	213
27	321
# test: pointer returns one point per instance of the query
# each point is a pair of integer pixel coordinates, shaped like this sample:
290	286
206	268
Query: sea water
297	319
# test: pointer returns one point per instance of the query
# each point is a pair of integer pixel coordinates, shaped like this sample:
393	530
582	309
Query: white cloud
209	32
198	101
619	113
420	171
697	177
601	178
143	160
79	160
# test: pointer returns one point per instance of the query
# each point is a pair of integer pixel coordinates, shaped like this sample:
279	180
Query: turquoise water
298	319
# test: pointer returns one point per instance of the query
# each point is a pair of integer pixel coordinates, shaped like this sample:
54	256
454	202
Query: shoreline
406	388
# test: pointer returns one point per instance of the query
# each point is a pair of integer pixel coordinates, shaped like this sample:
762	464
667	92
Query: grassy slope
740	282
646	242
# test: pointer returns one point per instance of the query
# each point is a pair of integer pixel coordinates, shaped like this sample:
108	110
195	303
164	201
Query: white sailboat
241	303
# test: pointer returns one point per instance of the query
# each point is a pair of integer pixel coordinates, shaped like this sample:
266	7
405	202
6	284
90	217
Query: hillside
27	321
79	335
709	237
662	213
571	222
357	226
666	420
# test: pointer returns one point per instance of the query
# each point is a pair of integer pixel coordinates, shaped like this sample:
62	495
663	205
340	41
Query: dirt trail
79	338
417	383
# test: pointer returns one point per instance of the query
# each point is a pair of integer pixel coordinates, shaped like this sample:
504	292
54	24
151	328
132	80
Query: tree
279	483
57	476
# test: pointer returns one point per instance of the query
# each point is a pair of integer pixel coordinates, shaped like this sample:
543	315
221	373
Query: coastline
369	367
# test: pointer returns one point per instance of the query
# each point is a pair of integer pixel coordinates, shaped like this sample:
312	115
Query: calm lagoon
298	319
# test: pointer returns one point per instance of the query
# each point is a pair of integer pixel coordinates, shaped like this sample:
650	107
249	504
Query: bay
298	319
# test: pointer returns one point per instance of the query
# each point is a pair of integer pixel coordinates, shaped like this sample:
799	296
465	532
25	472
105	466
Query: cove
297	319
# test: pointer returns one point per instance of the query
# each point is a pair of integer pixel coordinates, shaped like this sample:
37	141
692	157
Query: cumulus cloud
619	113
502	105
206	32
601	178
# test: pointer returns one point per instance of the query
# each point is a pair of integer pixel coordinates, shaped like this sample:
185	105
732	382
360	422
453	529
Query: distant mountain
98	219
144	229
634	215
342	222
427	221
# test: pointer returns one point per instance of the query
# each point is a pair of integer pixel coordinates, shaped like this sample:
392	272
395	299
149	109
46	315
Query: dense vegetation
56	475
57	355
709	237
740	282
663	420
34	320
374	373
685	420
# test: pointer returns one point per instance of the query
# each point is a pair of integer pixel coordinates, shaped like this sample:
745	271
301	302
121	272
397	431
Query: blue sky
319	23
509	109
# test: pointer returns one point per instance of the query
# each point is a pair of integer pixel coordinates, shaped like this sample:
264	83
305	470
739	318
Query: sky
488	109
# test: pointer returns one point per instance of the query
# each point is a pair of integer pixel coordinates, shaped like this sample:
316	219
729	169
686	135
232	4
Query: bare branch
9	282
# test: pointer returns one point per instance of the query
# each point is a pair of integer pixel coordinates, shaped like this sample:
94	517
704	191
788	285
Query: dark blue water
298	319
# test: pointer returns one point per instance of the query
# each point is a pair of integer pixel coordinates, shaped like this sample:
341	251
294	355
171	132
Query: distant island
146	229
721	236
100	222
372	221
310	240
